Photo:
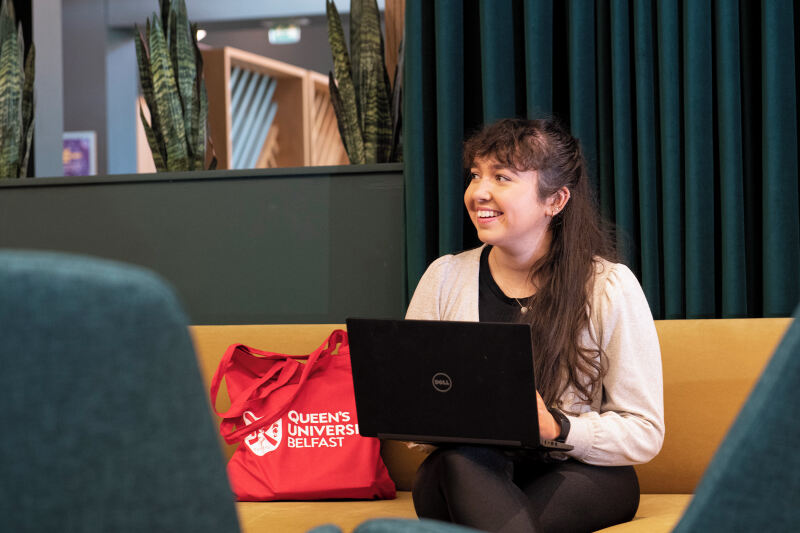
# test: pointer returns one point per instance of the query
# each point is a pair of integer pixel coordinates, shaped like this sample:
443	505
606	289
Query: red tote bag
297	426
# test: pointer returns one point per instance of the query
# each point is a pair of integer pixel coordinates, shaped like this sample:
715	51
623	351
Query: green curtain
687	112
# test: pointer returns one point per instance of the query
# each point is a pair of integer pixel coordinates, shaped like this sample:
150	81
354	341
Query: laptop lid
442	381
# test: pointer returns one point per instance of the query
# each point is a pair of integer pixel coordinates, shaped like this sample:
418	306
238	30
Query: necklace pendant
523	310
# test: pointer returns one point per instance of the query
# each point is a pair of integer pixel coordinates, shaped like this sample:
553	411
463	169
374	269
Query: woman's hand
548	427
419	447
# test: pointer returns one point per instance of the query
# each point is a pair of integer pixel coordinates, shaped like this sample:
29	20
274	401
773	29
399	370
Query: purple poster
79	155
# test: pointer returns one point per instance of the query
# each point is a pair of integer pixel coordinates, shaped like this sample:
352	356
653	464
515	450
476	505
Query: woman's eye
500	177
473	176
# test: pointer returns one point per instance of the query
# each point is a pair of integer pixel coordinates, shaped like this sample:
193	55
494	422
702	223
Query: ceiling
126	13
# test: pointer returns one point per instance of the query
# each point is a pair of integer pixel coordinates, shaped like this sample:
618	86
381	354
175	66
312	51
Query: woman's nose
481	189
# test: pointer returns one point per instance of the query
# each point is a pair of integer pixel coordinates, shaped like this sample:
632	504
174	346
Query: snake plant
360	91
16	96
171	77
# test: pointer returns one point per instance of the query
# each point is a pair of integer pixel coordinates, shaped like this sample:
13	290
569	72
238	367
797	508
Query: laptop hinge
459	440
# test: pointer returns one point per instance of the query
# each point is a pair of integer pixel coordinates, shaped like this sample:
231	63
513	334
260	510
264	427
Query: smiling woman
548	261
505	207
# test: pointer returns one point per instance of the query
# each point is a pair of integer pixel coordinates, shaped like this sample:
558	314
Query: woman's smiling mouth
487	215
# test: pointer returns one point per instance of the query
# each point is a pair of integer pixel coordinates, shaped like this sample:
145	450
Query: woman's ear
559	200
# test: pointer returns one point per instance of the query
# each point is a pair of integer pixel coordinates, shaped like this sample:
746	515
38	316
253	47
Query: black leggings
488	489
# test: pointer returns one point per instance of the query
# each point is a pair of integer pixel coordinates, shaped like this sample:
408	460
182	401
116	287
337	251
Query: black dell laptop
446	382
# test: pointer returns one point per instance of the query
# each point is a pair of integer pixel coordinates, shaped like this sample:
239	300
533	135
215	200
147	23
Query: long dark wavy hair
564	277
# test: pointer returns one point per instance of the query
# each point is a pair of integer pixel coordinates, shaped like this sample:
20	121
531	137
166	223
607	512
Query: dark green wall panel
271	246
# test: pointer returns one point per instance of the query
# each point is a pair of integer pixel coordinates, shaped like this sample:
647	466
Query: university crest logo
264	440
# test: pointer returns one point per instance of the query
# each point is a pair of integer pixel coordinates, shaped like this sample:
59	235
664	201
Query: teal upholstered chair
753	480
105	426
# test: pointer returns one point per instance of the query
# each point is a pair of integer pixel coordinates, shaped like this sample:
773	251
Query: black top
493	305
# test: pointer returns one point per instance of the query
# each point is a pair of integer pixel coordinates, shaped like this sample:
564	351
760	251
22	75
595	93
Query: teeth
485	213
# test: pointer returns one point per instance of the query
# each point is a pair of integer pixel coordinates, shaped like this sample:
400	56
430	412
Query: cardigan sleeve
629	426
426	302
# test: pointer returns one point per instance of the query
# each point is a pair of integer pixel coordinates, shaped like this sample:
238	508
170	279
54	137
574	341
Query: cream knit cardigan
624	424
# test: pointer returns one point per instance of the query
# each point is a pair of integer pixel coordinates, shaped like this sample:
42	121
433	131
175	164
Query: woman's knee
607	496
446	463
427	492
470	459
450	466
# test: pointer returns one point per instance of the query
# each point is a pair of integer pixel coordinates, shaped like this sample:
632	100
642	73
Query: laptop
446	382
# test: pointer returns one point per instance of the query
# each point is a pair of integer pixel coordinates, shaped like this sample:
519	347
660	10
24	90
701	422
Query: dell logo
442	382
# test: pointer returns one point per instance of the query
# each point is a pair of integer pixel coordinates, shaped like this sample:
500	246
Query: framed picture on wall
80	153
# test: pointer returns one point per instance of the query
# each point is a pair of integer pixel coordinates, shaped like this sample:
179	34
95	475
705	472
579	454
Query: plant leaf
164	9
355	44
27	110
10	95
198	143
348	115
186	74
155	119
397	106
167	101
341	60
27	143
155	147
369	118
143	62
349	130
7	13
374	97
202	139
171	38
146	82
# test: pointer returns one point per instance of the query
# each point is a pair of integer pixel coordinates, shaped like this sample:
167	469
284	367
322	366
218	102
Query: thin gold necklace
522	308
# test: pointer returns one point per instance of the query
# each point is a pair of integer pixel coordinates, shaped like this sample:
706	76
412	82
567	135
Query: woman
547	261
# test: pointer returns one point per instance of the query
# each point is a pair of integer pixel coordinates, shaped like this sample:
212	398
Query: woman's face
503	204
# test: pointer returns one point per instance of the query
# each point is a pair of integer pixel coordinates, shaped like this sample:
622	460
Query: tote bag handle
288	369
285	362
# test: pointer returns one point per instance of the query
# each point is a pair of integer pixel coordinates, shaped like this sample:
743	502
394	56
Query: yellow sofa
709	366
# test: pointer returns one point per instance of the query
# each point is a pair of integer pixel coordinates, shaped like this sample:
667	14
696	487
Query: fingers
548	427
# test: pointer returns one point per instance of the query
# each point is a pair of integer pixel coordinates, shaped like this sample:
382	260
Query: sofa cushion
709	368
657	513
299	517
403	525
691	352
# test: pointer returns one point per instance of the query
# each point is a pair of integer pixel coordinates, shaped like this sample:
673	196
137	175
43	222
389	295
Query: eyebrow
496	166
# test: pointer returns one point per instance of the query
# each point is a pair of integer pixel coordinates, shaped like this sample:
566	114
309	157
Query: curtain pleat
671	192
419	140
699	160
449	20
605	156
497	59
582	80
686	111
750	35
647	151
731	164
622	121
538	28
780	197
